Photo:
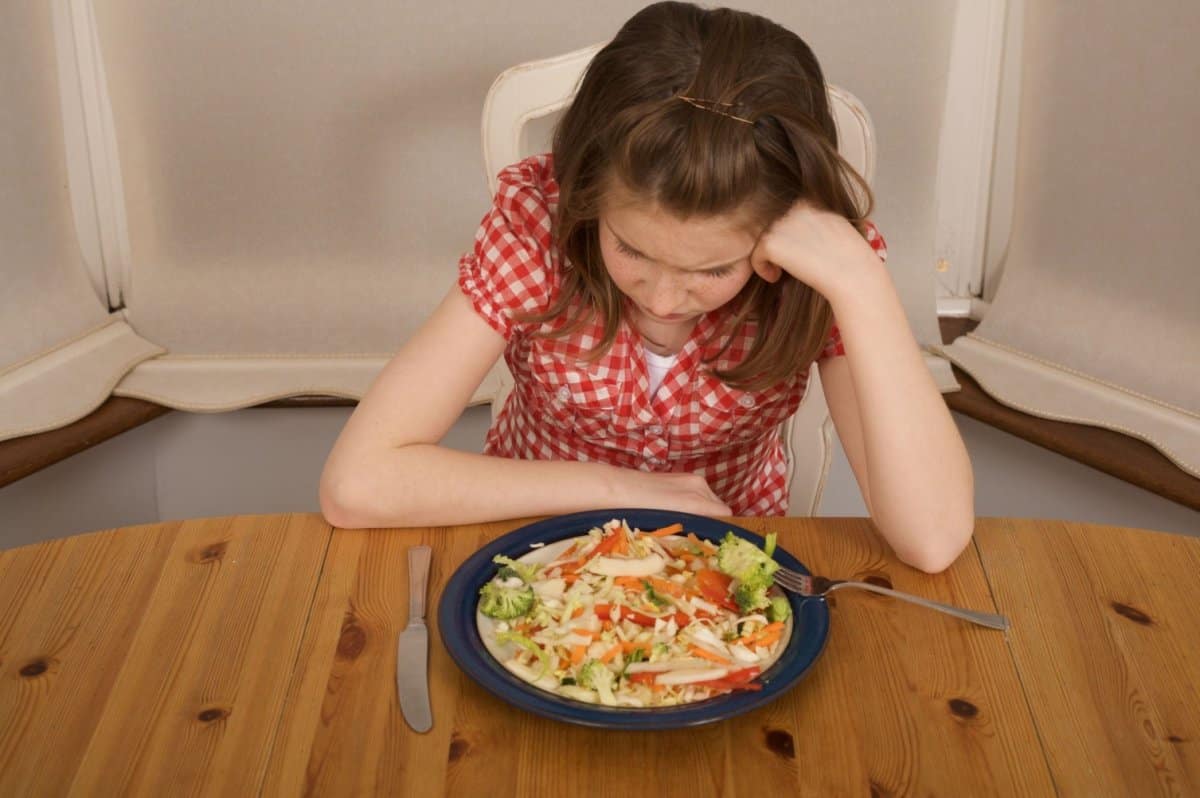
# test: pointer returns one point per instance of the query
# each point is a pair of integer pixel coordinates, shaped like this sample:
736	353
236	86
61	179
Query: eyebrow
634	249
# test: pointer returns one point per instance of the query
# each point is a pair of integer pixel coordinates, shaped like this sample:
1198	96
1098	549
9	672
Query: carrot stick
768	640
612	652
666	586
705	654
629	646
672	529
769	630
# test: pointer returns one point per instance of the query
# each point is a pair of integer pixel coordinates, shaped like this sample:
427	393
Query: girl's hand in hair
817	247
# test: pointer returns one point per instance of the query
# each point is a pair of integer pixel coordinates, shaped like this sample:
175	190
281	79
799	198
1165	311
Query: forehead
692	241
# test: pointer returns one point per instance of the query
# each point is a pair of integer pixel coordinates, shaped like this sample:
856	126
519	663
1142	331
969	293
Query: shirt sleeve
833	345
510	270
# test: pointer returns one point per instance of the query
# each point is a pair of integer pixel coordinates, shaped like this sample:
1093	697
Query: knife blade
412	650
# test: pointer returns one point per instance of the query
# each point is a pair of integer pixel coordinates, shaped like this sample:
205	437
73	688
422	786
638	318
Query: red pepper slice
714	586
603	611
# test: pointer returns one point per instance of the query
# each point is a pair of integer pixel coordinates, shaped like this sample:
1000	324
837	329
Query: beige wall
328	157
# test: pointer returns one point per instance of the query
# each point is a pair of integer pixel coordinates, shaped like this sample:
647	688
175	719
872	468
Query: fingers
697	497
762	265
688	493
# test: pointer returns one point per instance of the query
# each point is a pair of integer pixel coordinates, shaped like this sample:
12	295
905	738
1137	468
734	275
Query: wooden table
255	654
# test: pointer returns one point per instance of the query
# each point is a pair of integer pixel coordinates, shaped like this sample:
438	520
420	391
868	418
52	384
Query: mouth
674	317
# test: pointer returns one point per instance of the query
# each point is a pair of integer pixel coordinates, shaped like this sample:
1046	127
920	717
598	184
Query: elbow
935	546
932	560
341	503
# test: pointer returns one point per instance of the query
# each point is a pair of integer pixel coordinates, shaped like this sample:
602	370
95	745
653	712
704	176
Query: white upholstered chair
518	117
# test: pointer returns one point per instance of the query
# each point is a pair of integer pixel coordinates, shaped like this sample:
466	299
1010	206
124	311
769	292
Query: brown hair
765	140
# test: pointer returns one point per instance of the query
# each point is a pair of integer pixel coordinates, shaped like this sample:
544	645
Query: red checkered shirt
567	407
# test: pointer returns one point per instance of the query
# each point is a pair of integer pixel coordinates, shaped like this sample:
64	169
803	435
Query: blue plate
456	622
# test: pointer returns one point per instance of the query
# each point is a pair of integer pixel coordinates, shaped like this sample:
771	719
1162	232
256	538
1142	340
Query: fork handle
987	619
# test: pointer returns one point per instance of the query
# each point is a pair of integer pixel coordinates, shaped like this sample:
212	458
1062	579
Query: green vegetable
596	676
779	610
769	544
745	562
505	603
637	655
660	651
653	595
592	670
750	598
524	642
527	573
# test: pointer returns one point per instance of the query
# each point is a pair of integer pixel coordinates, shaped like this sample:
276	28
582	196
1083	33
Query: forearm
918	471
428	485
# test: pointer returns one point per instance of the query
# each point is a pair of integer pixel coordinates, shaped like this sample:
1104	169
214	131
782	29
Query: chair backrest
518	115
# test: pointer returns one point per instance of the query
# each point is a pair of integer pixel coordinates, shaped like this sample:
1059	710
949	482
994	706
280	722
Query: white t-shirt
657	367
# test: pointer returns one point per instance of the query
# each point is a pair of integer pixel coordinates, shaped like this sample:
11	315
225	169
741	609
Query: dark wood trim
1121	456
954	326
311	401
20	457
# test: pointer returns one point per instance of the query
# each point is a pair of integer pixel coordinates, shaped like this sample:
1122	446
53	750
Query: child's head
716	118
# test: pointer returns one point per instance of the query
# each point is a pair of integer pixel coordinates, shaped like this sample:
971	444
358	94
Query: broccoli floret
660	651
779	610
498	601
595	676
750	598
527	573
745	562
590	671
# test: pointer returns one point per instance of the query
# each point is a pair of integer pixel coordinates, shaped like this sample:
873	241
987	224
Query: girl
659	286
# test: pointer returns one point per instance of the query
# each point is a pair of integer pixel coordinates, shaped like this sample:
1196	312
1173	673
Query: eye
625	249
724	271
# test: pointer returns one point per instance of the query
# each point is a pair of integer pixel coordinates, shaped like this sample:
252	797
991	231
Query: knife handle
418	578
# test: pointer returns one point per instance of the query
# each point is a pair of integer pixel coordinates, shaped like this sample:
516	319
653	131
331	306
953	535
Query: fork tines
793	581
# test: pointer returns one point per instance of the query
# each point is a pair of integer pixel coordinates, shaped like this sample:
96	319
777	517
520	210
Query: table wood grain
255	655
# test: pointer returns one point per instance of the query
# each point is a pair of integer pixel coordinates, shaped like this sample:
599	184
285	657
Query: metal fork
820	585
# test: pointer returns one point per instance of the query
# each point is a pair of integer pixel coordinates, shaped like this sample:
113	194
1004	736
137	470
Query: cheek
623	271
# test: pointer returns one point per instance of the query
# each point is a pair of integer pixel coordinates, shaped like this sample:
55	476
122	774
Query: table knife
412	652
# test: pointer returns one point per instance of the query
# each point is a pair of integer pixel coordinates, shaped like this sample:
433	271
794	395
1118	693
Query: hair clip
711	106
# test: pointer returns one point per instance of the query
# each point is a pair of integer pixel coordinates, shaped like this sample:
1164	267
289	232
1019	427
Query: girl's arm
899	437
387	469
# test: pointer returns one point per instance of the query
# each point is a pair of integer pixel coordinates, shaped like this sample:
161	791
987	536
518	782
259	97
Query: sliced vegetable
620	566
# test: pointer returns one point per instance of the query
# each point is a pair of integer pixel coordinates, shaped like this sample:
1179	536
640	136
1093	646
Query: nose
666	296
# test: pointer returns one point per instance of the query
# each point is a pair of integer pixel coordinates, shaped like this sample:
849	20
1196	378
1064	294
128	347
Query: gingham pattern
565	407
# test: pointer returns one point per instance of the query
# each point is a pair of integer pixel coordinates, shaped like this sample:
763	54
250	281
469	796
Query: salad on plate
623	617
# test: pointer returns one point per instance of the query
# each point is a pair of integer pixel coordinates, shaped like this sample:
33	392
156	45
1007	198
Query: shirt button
654	429
746	401
564	394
